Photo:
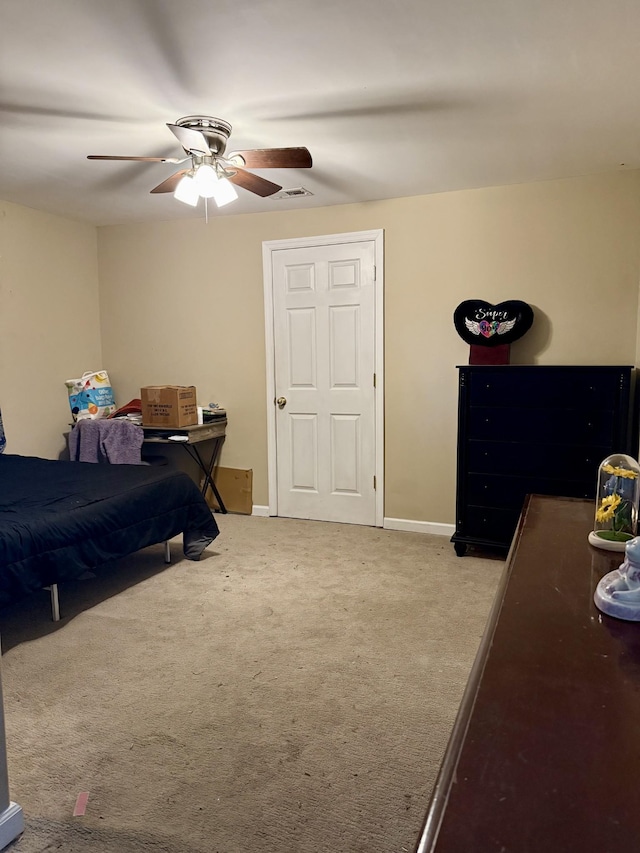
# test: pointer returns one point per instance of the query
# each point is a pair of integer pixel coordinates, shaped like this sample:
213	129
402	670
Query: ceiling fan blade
144	159
275	158
190	139
253	183
171	183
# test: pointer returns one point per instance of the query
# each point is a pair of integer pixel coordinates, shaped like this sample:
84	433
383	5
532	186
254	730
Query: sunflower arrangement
617	502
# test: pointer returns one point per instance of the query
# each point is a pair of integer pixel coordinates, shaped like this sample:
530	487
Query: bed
60	519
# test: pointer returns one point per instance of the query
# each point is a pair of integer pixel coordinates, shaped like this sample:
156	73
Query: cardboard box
169	405
235	486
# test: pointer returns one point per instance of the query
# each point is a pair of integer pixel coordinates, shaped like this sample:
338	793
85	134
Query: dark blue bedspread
59	519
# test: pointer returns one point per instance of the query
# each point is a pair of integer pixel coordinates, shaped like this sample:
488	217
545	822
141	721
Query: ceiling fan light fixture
187	191
206	180
224	192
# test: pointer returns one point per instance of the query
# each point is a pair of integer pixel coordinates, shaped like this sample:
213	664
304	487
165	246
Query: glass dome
616	511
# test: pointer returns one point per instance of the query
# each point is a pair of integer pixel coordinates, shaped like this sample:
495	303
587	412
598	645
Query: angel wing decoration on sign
489	327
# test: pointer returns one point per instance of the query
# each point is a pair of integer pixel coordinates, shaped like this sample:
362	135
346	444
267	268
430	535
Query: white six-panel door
324	339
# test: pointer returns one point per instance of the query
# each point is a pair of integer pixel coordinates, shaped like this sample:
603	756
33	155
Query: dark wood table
544	756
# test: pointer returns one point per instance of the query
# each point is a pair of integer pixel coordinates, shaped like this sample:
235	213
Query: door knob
282	402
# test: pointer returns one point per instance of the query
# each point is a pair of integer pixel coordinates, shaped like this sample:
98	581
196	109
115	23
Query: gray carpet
293	691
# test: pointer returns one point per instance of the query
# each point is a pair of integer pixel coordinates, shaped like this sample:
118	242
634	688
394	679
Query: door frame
268	248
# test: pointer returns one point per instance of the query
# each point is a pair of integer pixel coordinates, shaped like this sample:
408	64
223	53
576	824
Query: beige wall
182	302
49	324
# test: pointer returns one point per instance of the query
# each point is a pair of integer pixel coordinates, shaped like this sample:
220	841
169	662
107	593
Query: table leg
207	469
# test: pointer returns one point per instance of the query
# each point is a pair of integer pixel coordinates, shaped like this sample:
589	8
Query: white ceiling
391	98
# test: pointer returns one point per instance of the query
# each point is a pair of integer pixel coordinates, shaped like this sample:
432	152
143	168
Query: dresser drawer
548	426
579	462
509	492
489	524
542	387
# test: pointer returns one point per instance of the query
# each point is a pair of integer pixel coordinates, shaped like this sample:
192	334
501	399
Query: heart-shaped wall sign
480	323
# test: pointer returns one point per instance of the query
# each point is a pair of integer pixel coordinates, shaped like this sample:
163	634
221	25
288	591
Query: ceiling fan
212	172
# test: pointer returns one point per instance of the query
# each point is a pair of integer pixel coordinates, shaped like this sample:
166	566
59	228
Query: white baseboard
432	527
11	824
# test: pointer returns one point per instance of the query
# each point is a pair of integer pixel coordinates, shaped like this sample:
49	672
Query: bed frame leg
53	589
55	602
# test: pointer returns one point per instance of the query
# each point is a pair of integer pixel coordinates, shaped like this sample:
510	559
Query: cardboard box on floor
235	486
169	405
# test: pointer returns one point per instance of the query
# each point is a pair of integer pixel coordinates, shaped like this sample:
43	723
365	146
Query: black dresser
530	429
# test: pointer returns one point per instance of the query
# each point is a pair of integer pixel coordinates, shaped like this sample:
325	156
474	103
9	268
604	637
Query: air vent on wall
292	193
